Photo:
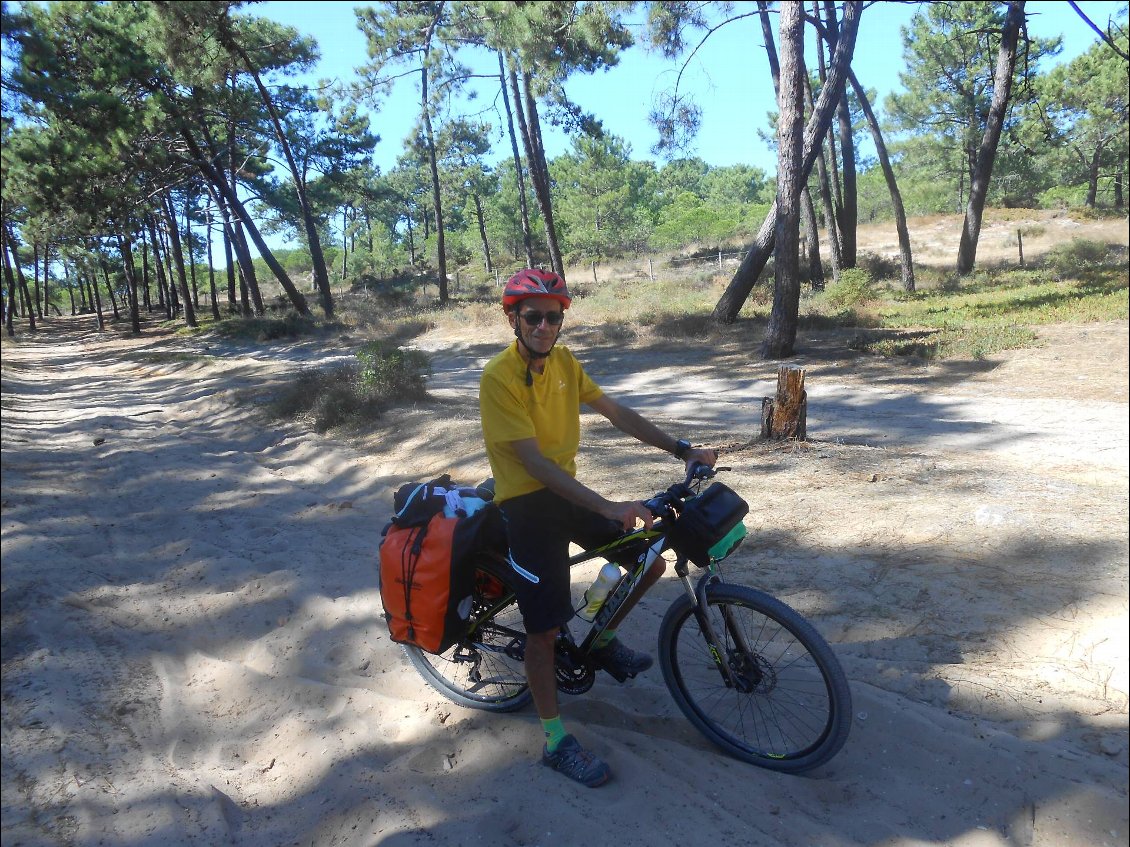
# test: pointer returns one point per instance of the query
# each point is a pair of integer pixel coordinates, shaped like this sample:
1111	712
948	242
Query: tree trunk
163	285
812	233
110	289
481	220
849	211
780	335
524	105
812	240
21	280
1118	199
986	155
831	169
238	210
785	415
249	283
1093	177
410	233
433	166
82	309
10	278
527	241
70	288
317	257
213	293
177	255
126	251
832	227
96	298
344	243
35	278
191	251
146	298
46	278
906	259
730	303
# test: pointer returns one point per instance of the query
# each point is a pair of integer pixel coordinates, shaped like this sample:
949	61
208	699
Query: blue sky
729	77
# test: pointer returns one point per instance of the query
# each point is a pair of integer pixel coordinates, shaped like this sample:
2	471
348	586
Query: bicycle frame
656	543
628	584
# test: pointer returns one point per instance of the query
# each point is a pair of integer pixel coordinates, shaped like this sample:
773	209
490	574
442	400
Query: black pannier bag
710	526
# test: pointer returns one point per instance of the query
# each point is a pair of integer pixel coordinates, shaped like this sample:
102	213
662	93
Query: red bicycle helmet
531	282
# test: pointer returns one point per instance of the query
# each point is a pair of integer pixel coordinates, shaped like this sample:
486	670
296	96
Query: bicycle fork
697	595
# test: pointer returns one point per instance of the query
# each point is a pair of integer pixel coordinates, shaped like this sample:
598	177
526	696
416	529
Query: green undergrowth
991	310
383	376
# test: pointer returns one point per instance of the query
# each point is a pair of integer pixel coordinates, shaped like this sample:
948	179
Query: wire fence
719	261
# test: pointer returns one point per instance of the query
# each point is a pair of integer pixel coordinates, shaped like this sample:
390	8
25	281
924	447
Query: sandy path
194	654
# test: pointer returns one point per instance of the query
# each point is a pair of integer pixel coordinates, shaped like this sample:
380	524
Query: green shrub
290	325
331	397
1080	254
879	267
854	286
391	373
328	397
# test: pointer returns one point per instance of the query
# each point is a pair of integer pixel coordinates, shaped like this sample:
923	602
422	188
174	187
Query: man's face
542	335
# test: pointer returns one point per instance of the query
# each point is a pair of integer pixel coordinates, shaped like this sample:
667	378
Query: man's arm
636	425
559	482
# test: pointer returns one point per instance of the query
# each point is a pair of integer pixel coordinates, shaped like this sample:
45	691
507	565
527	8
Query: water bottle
594	597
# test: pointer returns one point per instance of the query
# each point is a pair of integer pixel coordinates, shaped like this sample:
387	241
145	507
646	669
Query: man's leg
540	672
539	553
562	752
608	651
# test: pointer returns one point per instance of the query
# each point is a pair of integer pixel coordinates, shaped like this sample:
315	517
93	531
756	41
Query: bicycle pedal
619	676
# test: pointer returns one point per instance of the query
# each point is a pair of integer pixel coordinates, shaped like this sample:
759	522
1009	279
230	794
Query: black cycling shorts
540	525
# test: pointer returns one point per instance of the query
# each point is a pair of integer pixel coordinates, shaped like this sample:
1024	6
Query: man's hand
703	455
625	513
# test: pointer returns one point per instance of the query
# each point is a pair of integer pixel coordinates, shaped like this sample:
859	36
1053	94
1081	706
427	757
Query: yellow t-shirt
549	410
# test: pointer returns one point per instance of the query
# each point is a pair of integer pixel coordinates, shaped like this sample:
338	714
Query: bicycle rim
486	670
786	705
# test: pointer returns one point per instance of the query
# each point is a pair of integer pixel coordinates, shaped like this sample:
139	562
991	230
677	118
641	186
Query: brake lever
698	471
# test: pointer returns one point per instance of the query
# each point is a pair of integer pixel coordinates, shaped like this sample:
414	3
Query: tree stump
785	415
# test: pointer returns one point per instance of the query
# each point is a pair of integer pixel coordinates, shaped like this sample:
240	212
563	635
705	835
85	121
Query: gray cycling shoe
575	762
620	660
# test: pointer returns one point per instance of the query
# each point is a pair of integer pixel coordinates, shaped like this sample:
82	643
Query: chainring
575	675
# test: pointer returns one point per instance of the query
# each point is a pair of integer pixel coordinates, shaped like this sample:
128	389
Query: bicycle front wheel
486	669
781	701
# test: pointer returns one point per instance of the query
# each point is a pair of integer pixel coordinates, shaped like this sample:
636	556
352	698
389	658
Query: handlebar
663	504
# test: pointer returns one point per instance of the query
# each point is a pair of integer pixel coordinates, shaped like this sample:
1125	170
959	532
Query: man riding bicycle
530	409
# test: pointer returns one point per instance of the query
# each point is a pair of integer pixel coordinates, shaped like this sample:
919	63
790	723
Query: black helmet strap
530	352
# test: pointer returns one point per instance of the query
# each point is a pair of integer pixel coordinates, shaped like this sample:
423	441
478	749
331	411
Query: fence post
1020	245
595	281
719	260
651	269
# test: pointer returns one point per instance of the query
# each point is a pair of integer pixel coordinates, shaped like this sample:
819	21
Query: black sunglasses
534	318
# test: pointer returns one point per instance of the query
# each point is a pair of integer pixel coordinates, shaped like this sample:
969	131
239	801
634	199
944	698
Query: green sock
604	639
554	732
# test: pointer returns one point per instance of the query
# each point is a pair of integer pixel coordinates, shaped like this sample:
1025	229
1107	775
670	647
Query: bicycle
747	670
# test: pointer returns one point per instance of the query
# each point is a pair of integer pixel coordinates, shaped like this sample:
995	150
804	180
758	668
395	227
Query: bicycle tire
483	671
791	710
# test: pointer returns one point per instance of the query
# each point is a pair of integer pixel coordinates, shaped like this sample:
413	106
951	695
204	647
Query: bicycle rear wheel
786	704
486	670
